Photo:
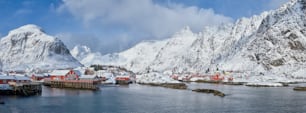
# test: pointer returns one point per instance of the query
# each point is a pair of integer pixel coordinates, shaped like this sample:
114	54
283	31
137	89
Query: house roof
79	72
87	76
59	72
22	78
40	75
4	77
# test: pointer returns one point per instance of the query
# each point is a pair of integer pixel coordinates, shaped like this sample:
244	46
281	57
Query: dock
74	84
23	89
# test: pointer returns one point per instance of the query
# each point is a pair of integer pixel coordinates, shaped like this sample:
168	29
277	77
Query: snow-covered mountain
278	45
186	51
28	47
272	43
86	56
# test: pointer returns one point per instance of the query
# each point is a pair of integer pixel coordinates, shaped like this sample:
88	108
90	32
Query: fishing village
25	84
22	83
88	78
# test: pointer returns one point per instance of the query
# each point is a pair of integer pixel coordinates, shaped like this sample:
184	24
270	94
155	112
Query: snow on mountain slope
186	51
80	52
85	56
269	47
139	57
278	46
28	47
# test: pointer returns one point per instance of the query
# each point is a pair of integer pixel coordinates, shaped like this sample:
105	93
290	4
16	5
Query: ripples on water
139	99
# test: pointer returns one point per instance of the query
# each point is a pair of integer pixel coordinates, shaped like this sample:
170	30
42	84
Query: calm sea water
146	99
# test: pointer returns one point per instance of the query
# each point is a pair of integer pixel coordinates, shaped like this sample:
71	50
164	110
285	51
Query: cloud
23	12
131	21
71	40
274	4
143	15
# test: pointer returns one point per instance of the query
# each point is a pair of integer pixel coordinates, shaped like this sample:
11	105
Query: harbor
143	98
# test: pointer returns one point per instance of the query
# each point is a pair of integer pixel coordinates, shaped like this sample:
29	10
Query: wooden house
123	79
22	79
4	79
38	77
65	75
89	77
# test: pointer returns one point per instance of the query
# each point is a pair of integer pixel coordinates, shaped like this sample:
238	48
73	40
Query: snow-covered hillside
28	47
270	44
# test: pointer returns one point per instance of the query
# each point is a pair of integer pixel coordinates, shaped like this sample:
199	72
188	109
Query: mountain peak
80	50
293	4
29	28
29	47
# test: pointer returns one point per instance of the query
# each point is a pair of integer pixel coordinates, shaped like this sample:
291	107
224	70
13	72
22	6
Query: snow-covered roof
107	74
59	72
4	77
40	75
79	72
87	76
22	78
123	76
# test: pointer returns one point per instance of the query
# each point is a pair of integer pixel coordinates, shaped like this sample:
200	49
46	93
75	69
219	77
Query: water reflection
139	98
51	92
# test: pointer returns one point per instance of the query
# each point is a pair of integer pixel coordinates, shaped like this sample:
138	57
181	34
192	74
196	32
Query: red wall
1	81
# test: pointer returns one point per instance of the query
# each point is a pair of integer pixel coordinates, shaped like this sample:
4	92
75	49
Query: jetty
74	84
18	85
22	89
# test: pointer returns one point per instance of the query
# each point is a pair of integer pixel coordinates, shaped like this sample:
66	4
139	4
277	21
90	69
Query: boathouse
4	82
123	79
22	79
38	77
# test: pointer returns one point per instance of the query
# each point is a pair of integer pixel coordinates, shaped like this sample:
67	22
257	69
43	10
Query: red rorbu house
5	79
122	79
38	77
65	75
22	79
12	78
217	77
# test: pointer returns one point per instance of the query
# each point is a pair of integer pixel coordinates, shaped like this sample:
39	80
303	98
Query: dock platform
75	84
23	89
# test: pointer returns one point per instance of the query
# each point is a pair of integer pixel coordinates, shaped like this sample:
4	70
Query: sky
109	26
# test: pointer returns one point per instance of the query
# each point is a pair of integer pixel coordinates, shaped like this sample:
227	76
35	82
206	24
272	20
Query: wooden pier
23	89
75	84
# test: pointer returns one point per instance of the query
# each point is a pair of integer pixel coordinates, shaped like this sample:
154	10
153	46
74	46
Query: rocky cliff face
278	46
29	47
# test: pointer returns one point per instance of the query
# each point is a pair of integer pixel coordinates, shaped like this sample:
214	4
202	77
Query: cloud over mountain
136	20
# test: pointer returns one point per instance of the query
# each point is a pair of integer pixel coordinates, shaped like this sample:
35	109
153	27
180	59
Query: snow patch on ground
266	84
154	78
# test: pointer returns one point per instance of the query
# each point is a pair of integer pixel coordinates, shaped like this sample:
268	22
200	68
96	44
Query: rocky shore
215	92
168	85
299	88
